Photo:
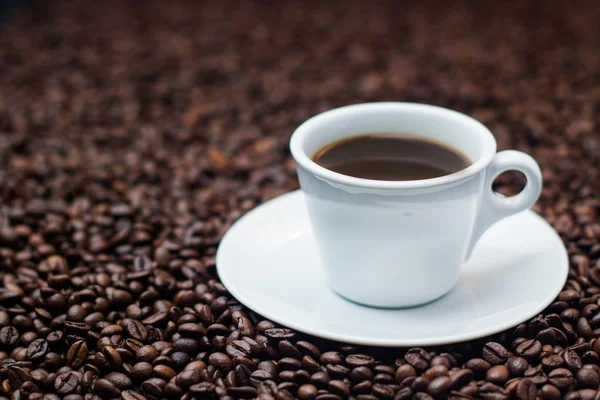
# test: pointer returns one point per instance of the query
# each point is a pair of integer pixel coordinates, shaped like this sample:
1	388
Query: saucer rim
365	341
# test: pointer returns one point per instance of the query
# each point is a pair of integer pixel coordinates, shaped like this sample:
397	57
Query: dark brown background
176	115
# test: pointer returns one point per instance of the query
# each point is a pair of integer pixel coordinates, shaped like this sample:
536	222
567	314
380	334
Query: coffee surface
391	157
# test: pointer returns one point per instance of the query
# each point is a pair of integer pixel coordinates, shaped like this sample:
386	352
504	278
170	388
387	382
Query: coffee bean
417	358
385	369
76	328
590	357
511	386
479	366
191	330
39	375
494	353
359	360
17	375
331	357
112	356
470	391
328	396
183	298
287	376
179	360
132	345
203	389
186	345
360	374
309	364
205	315
572	360
587	378
422	396
419	384
76	312
221	361
163	372
120	380
242	375
525	390
435	371
439	386
89	378
550	392
259	376
242	391
552	336
320	379
106	389
560	377
9	336
120	299
529	349
172	391
269	366
403	394
287	349
72	397
141	371
407	382
37	349
188	378
289	363
517	366
537	376
587	394
489	391
131	395
309	349
552	361
154	387
339	387
199	365
573	396
135	329
280	334
146	353
67	383
382	391
498	374
460	377
307	392
157	319
27	338
238	348
362	387
569	296
77	354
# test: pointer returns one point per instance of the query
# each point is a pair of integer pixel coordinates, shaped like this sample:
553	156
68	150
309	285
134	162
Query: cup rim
305	129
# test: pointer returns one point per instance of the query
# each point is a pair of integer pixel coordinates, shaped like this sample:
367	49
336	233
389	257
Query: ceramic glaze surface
385	249
402	243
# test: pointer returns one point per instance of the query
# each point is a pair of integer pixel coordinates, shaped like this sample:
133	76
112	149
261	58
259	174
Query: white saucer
268	261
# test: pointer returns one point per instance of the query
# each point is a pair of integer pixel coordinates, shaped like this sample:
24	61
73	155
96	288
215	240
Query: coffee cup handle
493	207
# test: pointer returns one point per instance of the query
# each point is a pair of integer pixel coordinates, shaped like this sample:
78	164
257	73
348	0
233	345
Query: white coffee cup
401	243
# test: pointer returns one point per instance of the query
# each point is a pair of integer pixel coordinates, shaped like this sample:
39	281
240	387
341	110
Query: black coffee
391	157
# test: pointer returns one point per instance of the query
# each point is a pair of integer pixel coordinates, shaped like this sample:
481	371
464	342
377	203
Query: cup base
390	305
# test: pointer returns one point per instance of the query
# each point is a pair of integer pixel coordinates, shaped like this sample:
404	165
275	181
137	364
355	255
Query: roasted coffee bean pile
132	134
